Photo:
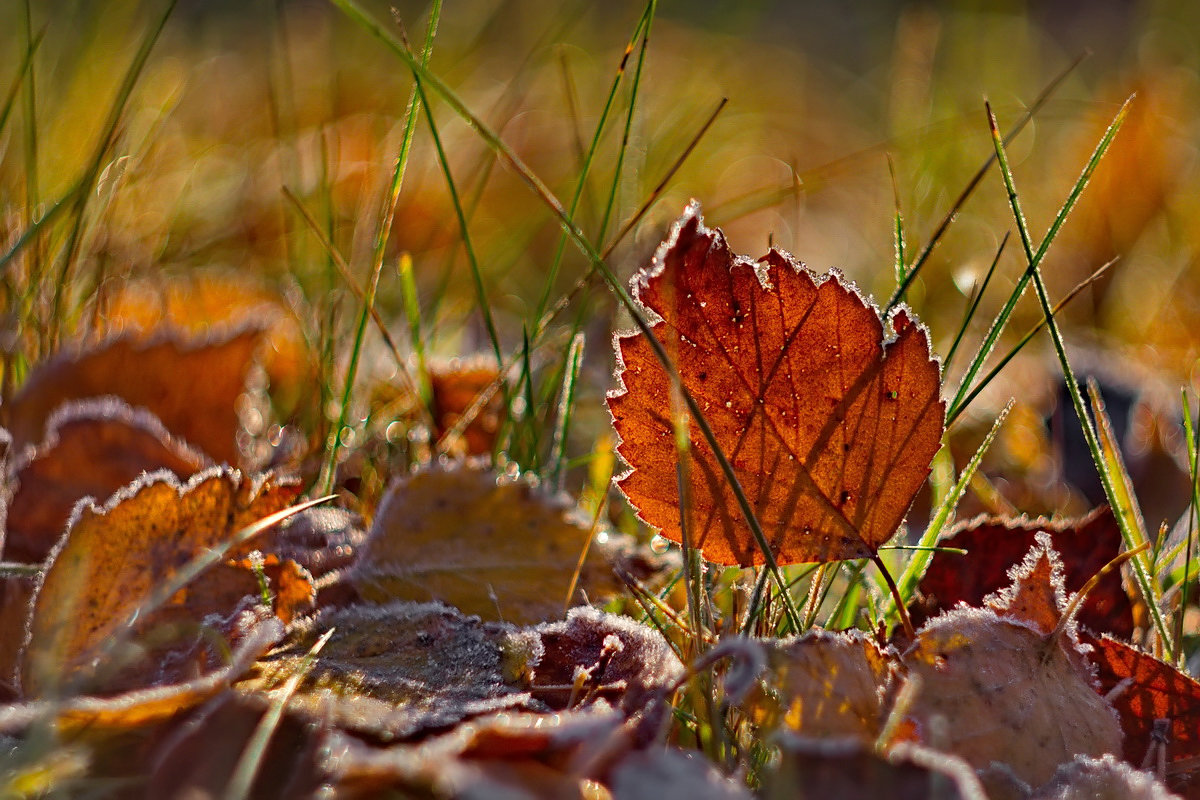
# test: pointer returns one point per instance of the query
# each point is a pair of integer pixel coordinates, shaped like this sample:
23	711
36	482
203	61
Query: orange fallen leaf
457	386
201	304
92	448
487	544
824	685
192	385
113	557
829	428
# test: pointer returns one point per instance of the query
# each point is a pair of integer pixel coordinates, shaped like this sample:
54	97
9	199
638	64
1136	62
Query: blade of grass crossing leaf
194	568
566	403
88	179
973	306
643	24
914	570
1193	455
535	184
1127	504
1024	340
952	214
246	770
1128	534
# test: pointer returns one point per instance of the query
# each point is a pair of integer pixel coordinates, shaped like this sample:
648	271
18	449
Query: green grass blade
1140	572
926	545
464	229
952	214
954	413
897	227
1193	456
334	440
626	133
25	66
589	155
566	403
973	306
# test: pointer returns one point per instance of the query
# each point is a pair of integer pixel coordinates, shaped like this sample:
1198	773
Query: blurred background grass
241	99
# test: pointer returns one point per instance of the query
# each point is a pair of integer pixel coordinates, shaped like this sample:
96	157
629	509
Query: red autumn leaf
996	545
829	428
1149	690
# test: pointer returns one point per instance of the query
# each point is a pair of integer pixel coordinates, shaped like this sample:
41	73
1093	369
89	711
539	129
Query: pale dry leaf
829	428
669	774
490	545
1104	778
995	689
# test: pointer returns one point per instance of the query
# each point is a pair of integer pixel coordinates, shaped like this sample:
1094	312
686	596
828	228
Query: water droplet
659	544
602	537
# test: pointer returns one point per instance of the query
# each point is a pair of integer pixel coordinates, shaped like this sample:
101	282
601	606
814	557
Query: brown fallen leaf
529	755
92	448
487	544
829	429
397	670
142	708
199	758
16	598
192	385
817	769
113	557
592	654
457	387
995	545
998	689
824	685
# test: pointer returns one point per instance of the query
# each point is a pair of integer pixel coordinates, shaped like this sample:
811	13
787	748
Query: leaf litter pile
180	619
